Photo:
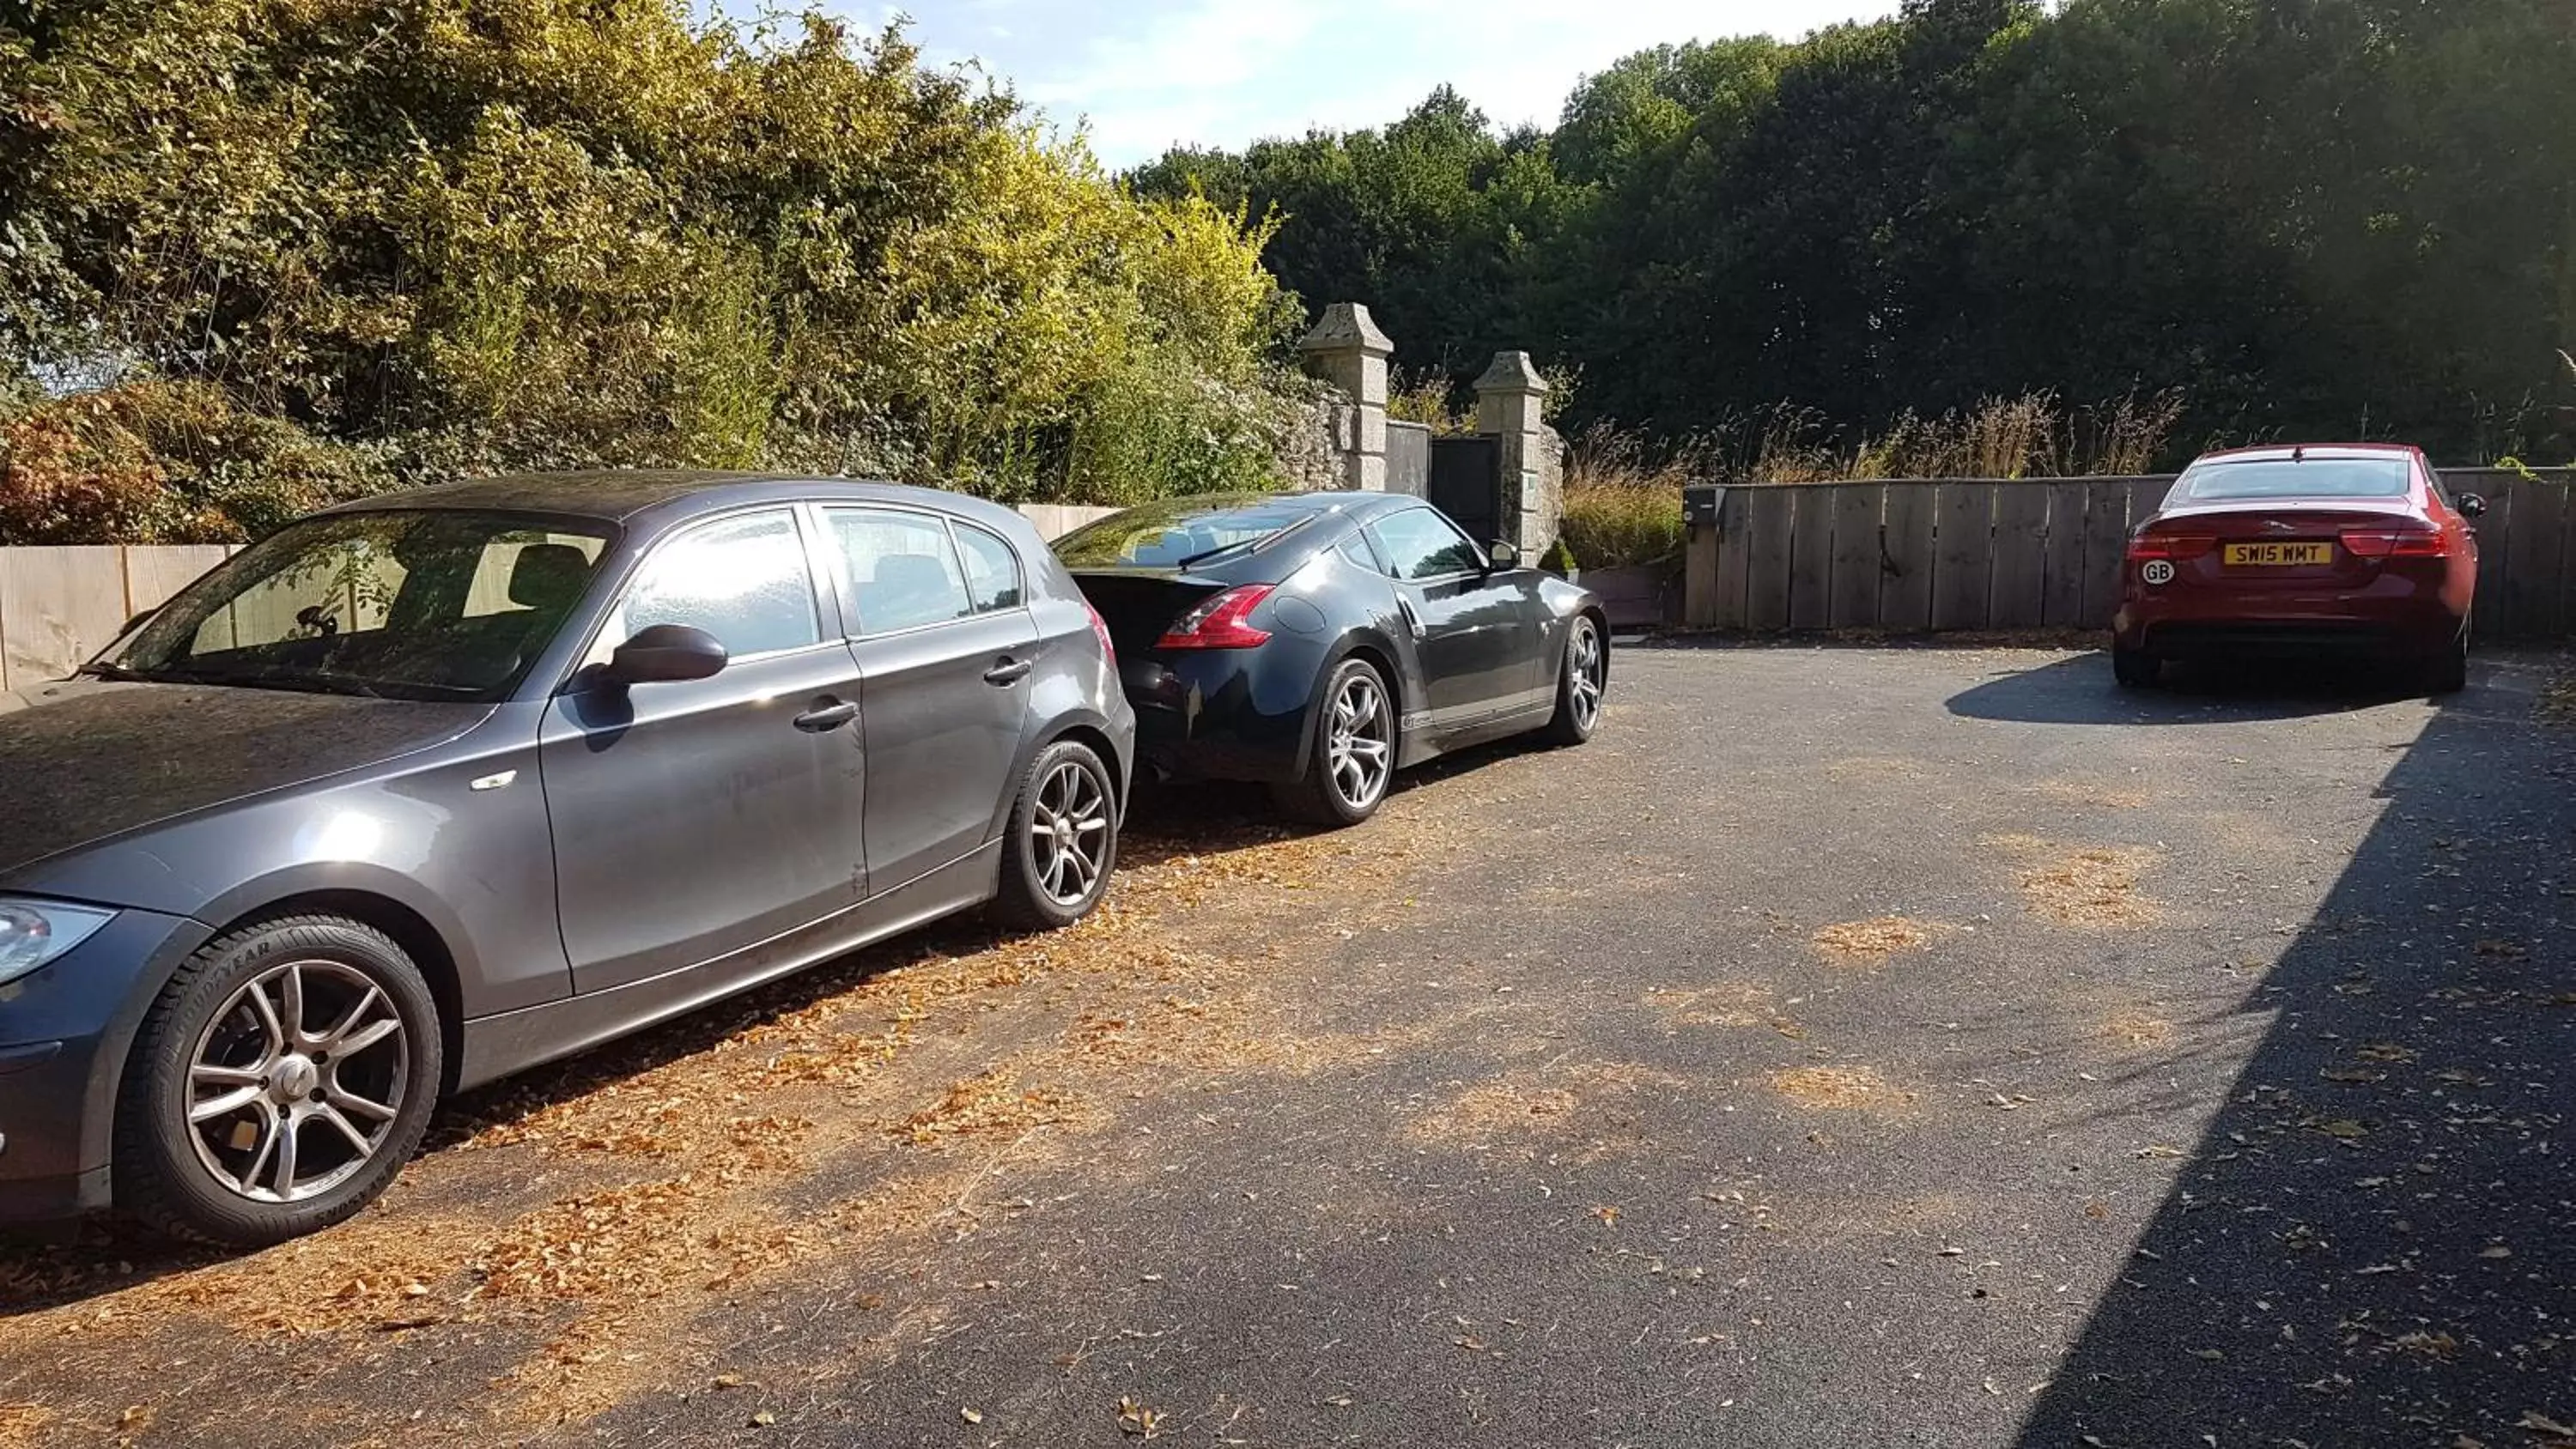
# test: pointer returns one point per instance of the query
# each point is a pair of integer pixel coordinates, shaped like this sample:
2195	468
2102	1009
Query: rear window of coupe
2280	478
1183	531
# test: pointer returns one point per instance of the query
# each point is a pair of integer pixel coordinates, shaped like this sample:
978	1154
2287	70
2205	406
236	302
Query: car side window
992	570
1355	552
898	570
743	579
1420	544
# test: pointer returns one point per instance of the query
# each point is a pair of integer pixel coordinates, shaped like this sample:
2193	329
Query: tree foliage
2318	218
487	234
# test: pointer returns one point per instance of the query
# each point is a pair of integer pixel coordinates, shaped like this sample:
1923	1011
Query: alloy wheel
1070	832
281	1110
1360	750
1587	676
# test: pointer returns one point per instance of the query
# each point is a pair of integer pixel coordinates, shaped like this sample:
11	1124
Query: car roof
626	495
2323	452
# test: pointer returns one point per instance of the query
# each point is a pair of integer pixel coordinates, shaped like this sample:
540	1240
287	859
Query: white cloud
1151	73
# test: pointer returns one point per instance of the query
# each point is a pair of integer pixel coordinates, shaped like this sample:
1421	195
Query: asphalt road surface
1852	1046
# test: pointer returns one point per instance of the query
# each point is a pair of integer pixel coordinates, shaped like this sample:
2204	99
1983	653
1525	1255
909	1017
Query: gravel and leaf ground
1852	1045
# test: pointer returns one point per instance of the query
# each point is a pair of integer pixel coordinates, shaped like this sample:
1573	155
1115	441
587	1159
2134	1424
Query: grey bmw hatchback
421	791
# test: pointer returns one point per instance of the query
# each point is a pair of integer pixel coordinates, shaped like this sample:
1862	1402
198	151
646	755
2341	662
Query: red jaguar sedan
2304	552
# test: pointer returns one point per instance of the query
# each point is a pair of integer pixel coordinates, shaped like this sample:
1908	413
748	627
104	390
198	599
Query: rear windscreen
2280	478
1179	533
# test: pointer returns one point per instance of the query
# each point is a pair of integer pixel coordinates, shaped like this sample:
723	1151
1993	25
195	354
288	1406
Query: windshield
1181	532
2279	478
417	604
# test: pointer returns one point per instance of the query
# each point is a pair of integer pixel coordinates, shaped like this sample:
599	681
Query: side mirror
666	654
2472	505
1505	555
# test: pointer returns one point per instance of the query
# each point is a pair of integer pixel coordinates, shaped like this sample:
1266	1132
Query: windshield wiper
101	669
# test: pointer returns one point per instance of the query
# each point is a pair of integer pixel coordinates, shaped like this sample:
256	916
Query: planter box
1638	596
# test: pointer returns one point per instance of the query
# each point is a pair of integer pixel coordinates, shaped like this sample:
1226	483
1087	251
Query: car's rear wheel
280	1081
2136	668
2448	673
1063	840
1581	684
1351	759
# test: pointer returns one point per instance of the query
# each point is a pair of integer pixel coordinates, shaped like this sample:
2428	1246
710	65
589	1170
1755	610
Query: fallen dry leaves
1838	1088
1871	943
2138	1029
21	1423
2096	887
614	1197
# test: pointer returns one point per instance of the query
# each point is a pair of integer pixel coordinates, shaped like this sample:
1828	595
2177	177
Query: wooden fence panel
1699	577
2020	567
2146	495
2062	595
2106	550
152	575
1905	592
1811	558
1734	560
57	607
2495	549
2531	578
1857	509
1963	552
1769	530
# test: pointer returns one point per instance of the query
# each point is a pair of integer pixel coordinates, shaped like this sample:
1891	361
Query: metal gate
1467	483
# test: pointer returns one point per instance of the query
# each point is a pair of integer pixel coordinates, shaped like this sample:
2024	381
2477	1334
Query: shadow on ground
2202	694
2375	1243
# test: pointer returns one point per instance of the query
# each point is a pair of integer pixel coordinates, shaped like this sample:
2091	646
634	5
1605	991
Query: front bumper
64	1035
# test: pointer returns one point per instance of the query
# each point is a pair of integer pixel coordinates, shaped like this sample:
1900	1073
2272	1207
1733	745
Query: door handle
1008	672
1412	620
824	718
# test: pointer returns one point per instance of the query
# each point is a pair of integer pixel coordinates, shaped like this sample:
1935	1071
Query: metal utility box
1701	503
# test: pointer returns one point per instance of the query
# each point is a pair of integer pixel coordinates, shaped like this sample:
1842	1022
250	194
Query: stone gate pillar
1510	405
1348	351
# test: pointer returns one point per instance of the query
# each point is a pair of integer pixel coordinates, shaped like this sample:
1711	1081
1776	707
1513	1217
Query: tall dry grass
1623	495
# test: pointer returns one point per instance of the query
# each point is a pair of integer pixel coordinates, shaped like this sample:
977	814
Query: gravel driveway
1852	1046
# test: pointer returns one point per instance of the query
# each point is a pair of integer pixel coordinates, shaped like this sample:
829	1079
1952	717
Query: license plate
2279	555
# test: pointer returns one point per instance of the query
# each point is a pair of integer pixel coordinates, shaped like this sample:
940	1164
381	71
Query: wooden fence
1917	557
59	606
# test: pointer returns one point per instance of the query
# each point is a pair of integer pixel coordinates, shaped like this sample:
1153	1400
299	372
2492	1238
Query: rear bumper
2289	627
1222	714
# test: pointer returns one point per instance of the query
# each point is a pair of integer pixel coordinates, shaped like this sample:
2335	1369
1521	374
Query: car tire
2448	672
1063	840
2136	668
1582	682
343	1083
1350	751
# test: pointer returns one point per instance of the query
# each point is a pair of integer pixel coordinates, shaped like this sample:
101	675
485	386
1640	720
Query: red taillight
1219	622
2171	545
2395	543
1100	630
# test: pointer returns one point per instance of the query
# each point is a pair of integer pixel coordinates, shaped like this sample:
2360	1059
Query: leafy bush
386	245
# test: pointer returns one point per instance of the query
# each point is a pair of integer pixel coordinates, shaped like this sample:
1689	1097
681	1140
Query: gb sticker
2157	571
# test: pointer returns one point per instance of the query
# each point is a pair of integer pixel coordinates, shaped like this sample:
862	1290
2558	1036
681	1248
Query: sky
1146	74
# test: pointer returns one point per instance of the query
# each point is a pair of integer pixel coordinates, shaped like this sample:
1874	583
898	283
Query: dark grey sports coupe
428	789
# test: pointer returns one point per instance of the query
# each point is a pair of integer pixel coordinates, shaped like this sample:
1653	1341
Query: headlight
35	932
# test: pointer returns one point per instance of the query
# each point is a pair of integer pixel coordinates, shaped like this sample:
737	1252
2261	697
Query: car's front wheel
1581	685
1063	841
1351	758
280	1081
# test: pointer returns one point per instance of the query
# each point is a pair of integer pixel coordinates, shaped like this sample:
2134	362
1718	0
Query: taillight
1100	631
1218	623
2171	545
2396	543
